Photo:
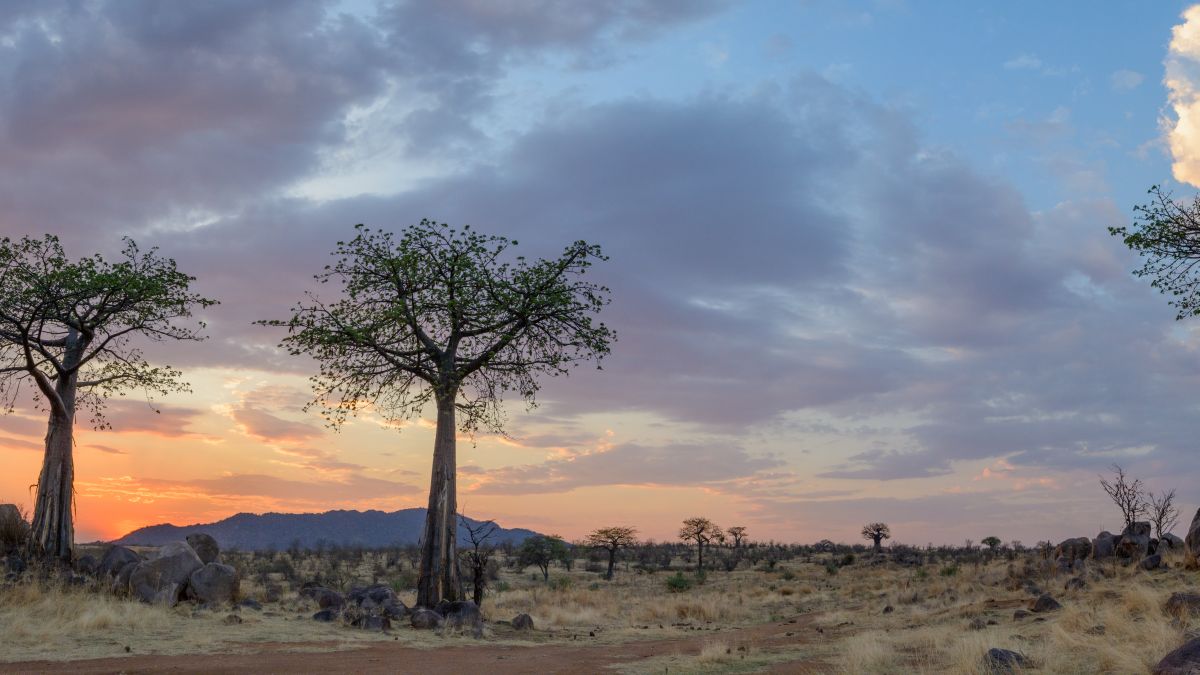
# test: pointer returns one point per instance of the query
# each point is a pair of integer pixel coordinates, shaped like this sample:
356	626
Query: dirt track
493	659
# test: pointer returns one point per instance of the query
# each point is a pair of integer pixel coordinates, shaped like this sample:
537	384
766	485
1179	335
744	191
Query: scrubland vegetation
826	608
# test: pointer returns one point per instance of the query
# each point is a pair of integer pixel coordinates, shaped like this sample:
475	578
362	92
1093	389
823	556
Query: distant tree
1166	233
438	316
478	555
992	543
1127	494
612	539
1163	512
738	534
702	531
542	551
877	532
69	326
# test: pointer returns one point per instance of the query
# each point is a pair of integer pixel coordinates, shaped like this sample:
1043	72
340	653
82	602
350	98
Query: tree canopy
1166	233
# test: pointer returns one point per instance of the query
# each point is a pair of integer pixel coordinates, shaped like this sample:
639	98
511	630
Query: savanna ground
811	613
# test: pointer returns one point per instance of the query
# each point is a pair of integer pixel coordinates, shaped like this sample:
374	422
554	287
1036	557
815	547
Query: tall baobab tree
612	539
447	317
877	532
70	328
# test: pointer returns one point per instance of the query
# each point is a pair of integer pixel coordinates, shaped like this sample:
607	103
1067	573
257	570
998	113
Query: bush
678	583
831	569
560	583
949	570
788	575
501	586
848	559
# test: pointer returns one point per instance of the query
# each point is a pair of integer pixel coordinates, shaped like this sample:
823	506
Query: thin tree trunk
53	531
612	559
699	557
438	578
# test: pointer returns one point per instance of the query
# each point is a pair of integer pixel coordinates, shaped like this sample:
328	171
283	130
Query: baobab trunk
53	531
438	578
612	559
878	547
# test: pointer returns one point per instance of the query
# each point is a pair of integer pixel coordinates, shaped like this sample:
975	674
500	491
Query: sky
859	257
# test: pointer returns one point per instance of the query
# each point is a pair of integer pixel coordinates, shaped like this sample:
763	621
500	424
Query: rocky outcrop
205	547
1183	661
164	579
214	584
1074	549
116	558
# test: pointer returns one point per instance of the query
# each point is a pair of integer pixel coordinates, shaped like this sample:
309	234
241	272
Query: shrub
949	570
678	583
560	583
848	559
831	569
788	575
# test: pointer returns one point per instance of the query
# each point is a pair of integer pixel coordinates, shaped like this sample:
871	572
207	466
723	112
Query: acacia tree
877	532
738	533
69	328
542	550
442	316
612	539
992	542
702	531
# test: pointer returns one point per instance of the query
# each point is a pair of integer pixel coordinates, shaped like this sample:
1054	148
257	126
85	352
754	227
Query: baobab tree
70	328
877	532
445	317
1166	233
702	531
612	539
738	534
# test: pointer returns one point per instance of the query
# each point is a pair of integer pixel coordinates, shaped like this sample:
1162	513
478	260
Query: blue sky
860	264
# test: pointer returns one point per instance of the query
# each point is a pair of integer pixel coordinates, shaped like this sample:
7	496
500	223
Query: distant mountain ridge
258	532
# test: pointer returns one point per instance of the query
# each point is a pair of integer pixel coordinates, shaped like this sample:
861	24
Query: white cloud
1181	79
1024	62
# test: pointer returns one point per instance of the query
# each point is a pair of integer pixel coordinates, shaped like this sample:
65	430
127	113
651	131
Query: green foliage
541	551
445	314
788	575
560	583
831	568
991	542
64	320
922	574
949	570
678	583
1166	234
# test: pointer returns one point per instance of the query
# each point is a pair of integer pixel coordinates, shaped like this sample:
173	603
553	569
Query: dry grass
927	631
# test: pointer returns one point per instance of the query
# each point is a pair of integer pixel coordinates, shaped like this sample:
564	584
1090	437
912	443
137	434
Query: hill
255	532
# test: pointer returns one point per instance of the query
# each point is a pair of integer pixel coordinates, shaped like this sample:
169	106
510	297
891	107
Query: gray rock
326	615
1020	614
1152	562
164	579
1172	542
425	619
522	622
1045	603
1076	584
120	584
394	610
86	565
371	622
1004	661
1183	661
205	547
977	624
1191	542
115	558
462	615
251	603
1104	545
214	584
1074	549
1134	543
11	523
1183	605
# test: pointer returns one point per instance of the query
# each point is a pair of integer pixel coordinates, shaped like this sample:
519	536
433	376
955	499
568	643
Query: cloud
1181	79
1125	80
352	489
1023	62
127	416
626	464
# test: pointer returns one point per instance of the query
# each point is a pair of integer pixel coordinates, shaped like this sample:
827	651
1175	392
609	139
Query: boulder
522	622
1134	543
1062	565
1183	661
1020	614
1151	562
371	622
1183	605
425	619
1191	542
326	615
251	603
1171	542
164	579
462	615
205	547
115	558
13	529
86	565
376	595
1004	661
214	584
1045	603
1104	545
120	585
326	598
13	565
1074	549
394	610
977	624
1075	584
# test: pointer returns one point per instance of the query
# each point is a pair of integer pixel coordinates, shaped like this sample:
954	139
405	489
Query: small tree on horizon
1163	512
1127	495
991	542
444	317
612	539
702	531
542	550
69	327
738	534
877	532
